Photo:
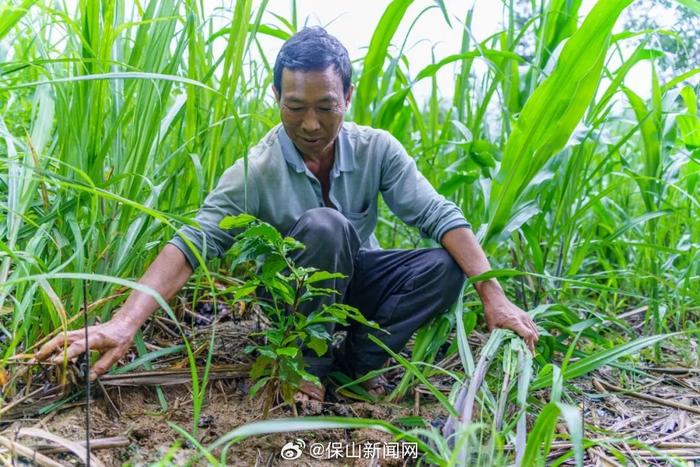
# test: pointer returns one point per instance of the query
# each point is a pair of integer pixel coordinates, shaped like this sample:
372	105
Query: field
117	118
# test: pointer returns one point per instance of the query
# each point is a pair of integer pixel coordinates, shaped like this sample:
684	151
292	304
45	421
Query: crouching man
317	178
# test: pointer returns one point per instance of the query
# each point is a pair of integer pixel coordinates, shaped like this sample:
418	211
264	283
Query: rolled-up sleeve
234	194
412	198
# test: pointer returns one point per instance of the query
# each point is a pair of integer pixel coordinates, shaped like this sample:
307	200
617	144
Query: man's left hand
503	314
498	310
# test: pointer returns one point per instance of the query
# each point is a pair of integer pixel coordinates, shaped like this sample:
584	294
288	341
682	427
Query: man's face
312	107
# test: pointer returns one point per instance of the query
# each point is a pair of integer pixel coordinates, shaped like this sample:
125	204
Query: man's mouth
311	140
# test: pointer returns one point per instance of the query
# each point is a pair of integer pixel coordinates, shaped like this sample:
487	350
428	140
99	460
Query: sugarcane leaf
552	112
372	66
594	361
417	373
540	438
693	5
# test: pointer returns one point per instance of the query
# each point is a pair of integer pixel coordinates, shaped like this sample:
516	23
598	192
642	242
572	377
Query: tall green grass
117	118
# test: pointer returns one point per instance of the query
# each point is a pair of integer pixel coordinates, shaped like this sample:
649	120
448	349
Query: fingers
527	321
75	340
76	349
529	339
534	330
525	327
530	344
526	333
54	344
105	363
99	339
512	317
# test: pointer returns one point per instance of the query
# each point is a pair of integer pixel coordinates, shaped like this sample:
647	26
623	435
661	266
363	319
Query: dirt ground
134	413
146	427
664	413
643	419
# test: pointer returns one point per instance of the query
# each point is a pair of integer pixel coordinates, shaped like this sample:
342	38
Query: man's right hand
166	275
112	339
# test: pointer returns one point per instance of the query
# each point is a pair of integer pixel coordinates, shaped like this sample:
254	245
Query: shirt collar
344	160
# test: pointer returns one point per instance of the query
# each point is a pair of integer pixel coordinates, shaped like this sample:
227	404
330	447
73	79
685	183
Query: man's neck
320	159
321	168
320	164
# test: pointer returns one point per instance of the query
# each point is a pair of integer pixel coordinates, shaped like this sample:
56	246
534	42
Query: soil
140	419
662	411
226	408
608	417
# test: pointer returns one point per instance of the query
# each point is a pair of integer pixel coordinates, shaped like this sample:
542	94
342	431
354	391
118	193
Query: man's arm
499	312
166	275
411	197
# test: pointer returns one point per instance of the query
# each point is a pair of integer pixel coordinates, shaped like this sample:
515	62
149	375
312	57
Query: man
317	179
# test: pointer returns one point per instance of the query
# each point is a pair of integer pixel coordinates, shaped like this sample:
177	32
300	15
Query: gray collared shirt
278	188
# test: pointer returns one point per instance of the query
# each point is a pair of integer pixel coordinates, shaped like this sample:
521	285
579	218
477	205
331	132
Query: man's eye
325	109
296	109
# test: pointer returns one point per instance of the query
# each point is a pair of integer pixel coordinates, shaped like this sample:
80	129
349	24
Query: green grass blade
598	359
11	15
374	61
288	425
693	5
552	112
540	439
418	374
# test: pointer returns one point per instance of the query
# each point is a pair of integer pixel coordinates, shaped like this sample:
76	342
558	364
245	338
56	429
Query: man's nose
310	122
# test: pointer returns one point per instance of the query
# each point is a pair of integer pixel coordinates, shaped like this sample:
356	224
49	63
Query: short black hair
313	49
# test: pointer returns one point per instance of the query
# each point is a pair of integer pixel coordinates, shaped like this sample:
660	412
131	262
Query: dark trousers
399	289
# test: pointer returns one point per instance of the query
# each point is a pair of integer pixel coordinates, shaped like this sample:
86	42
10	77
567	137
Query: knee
448	271
321	225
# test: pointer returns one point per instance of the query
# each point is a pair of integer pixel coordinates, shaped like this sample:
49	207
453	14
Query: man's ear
348	95
276	93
